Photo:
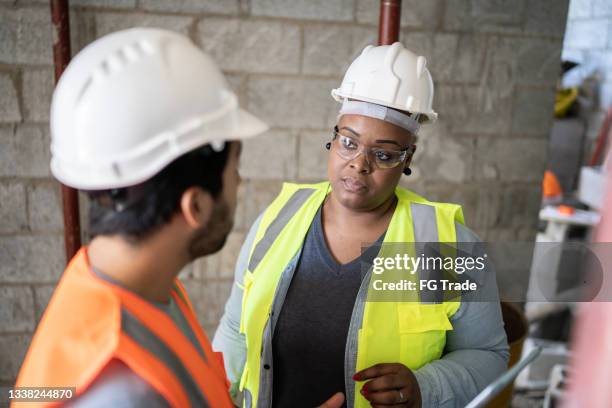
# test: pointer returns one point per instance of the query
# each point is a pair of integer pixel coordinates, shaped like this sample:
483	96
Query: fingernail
356	377
364	391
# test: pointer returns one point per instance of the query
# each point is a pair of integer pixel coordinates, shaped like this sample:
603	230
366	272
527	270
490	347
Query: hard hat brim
248	126
245	125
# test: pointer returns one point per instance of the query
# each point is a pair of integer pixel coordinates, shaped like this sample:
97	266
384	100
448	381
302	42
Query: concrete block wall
588	40
494	64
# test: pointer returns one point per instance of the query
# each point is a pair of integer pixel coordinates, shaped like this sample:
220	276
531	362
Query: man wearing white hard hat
145	124
305	317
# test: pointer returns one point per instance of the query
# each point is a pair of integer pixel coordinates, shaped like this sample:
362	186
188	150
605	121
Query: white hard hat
135	100
392	76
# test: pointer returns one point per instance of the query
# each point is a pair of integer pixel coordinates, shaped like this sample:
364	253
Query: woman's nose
361	163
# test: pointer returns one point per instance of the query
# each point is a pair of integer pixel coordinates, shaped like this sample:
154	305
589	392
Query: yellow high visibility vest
411	333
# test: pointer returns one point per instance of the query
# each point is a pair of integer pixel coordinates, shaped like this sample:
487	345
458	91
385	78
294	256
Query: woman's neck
340	215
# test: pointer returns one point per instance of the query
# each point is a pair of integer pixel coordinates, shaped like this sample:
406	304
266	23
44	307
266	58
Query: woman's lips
353	186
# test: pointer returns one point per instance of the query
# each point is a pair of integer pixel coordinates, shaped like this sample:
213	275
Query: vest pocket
422	329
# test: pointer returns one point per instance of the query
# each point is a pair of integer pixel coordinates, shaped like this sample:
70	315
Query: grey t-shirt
117	385
313	324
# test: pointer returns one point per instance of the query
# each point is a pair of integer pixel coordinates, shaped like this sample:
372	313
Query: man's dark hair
136	211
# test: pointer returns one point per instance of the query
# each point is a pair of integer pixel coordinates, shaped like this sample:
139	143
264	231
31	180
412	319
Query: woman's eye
347	142
382	155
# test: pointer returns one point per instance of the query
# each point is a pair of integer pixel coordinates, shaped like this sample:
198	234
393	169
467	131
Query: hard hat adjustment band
372	110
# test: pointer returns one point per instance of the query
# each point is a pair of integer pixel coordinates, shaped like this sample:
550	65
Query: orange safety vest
90	321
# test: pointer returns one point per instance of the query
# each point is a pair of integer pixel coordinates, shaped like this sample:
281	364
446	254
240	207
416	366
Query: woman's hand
390	385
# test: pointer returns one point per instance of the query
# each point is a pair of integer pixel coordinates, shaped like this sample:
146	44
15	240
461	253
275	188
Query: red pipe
602	139
60	18
389	22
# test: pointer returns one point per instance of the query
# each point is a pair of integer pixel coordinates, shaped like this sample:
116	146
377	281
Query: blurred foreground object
591	373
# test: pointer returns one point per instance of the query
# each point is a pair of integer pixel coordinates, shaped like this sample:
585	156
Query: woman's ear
196	207
410	156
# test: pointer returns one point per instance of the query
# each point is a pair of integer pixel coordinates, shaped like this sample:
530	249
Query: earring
328	145
407	171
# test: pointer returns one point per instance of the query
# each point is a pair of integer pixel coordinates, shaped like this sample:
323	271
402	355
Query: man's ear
196	207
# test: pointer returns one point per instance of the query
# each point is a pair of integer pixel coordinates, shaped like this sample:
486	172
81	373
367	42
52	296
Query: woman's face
359	184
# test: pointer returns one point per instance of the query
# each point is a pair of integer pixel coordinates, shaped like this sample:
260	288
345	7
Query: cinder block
524	60
239	224
464	195
415	13
192	6
37	91
510	159
31	258
293	102
251	46
533	111
442	57
82	28
42	296
238	84
468	58
470	109
222	264
9	104
504	16
328	49
362	37
271	156
16	308
123	4
24	152
44	207
260	194
499	235
443	157
450	57
481	202
107	23
341	10
12	207
13	348
546	17
313	156
520	206
25	36
206	300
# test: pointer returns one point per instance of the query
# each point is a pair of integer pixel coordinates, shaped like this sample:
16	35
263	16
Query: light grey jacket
476	350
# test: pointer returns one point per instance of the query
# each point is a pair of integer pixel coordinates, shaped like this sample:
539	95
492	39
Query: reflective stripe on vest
191	363
151	343
415	338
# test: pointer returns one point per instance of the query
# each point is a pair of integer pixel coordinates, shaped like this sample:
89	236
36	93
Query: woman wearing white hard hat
306	319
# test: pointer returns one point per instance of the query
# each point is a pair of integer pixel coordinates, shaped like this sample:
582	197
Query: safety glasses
349	148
